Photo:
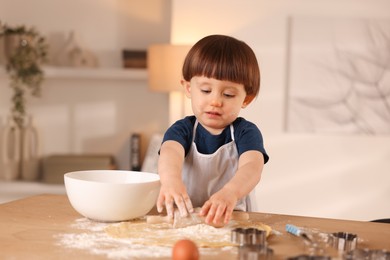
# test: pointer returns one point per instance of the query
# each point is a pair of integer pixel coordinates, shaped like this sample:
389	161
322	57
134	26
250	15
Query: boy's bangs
221	69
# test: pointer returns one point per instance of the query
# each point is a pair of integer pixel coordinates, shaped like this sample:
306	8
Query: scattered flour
96	241
93	239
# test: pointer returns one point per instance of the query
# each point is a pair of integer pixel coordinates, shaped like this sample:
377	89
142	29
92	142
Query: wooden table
29	227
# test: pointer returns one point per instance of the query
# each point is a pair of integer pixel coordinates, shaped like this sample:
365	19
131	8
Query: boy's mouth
213	113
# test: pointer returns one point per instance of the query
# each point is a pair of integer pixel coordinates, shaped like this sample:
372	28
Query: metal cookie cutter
343	241
309	257
248	236
255	252
367	254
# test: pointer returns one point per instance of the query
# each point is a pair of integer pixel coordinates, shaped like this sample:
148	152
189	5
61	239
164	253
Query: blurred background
326	160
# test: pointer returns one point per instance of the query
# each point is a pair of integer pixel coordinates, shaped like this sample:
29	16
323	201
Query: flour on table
94	238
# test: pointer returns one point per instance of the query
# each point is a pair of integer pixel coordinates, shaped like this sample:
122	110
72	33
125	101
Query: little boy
214	159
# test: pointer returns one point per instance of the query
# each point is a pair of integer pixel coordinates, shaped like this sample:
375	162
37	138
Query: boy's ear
248	99
187	87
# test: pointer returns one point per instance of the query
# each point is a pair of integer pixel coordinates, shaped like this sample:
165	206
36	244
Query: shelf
92	73
98	73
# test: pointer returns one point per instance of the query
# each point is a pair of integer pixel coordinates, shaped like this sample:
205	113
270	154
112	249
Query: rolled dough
162	234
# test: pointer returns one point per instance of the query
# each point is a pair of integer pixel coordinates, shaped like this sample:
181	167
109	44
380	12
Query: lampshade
165	63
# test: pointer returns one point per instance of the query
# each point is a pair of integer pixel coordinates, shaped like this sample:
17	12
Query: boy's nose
217	102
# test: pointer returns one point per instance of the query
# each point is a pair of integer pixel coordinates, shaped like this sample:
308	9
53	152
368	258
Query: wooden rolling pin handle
240	215
236	215
152	219
156	219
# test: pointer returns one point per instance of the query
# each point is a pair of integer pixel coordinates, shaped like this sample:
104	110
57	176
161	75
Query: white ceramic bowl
112	195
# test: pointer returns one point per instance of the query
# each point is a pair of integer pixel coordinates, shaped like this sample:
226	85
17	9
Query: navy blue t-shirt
246	135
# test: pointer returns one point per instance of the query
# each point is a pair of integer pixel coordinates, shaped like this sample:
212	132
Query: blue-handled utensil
296	231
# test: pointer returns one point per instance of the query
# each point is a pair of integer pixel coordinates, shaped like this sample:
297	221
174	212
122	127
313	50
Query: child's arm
221	204
173	190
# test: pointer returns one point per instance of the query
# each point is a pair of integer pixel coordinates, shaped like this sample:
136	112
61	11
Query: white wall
76	115
315	175
104	26
263	25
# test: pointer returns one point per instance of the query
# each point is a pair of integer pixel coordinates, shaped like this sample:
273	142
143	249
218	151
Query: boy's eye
229	95
205	90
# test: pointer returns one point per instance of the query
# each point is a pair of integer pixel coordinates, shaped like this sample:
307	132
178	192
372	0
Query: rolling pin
192	219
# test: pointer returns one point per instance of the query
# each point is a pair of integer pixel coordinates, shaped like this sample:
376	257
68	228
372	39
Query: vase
11	147
29	157
20	151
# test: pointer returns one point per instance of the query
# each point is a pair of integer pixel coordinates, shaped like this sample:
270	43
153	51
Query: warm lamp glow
165	63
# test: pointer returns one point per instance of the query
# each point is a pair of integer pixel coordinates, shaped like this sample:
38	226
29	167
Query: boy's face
215	103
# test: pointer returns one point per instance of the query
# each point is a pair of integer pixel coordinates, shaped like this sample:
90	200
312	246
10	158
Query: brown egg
185	249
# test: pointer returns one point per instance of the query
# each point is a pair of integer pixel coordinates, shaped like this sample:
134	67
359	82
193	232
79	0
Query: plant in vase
25	51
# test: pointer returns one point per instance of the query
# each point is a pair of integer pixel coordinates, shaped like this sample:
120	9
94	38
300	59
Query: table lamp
165	63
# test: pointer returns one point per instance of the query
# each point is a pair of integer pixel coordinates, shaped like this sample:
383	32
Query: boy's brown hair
224	58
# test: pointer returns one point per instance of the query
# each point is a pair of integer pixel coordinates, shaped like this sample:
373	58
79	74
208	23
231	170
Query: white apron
205	174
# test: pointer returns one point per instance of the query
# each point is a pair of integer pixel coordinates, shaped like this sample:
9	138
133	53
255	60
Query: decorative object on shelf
73	54
135	147
25	51
134	59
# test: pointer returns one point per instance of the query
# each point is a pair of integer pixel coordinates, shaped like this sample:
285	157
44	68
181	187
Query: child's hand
172	194
219	208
